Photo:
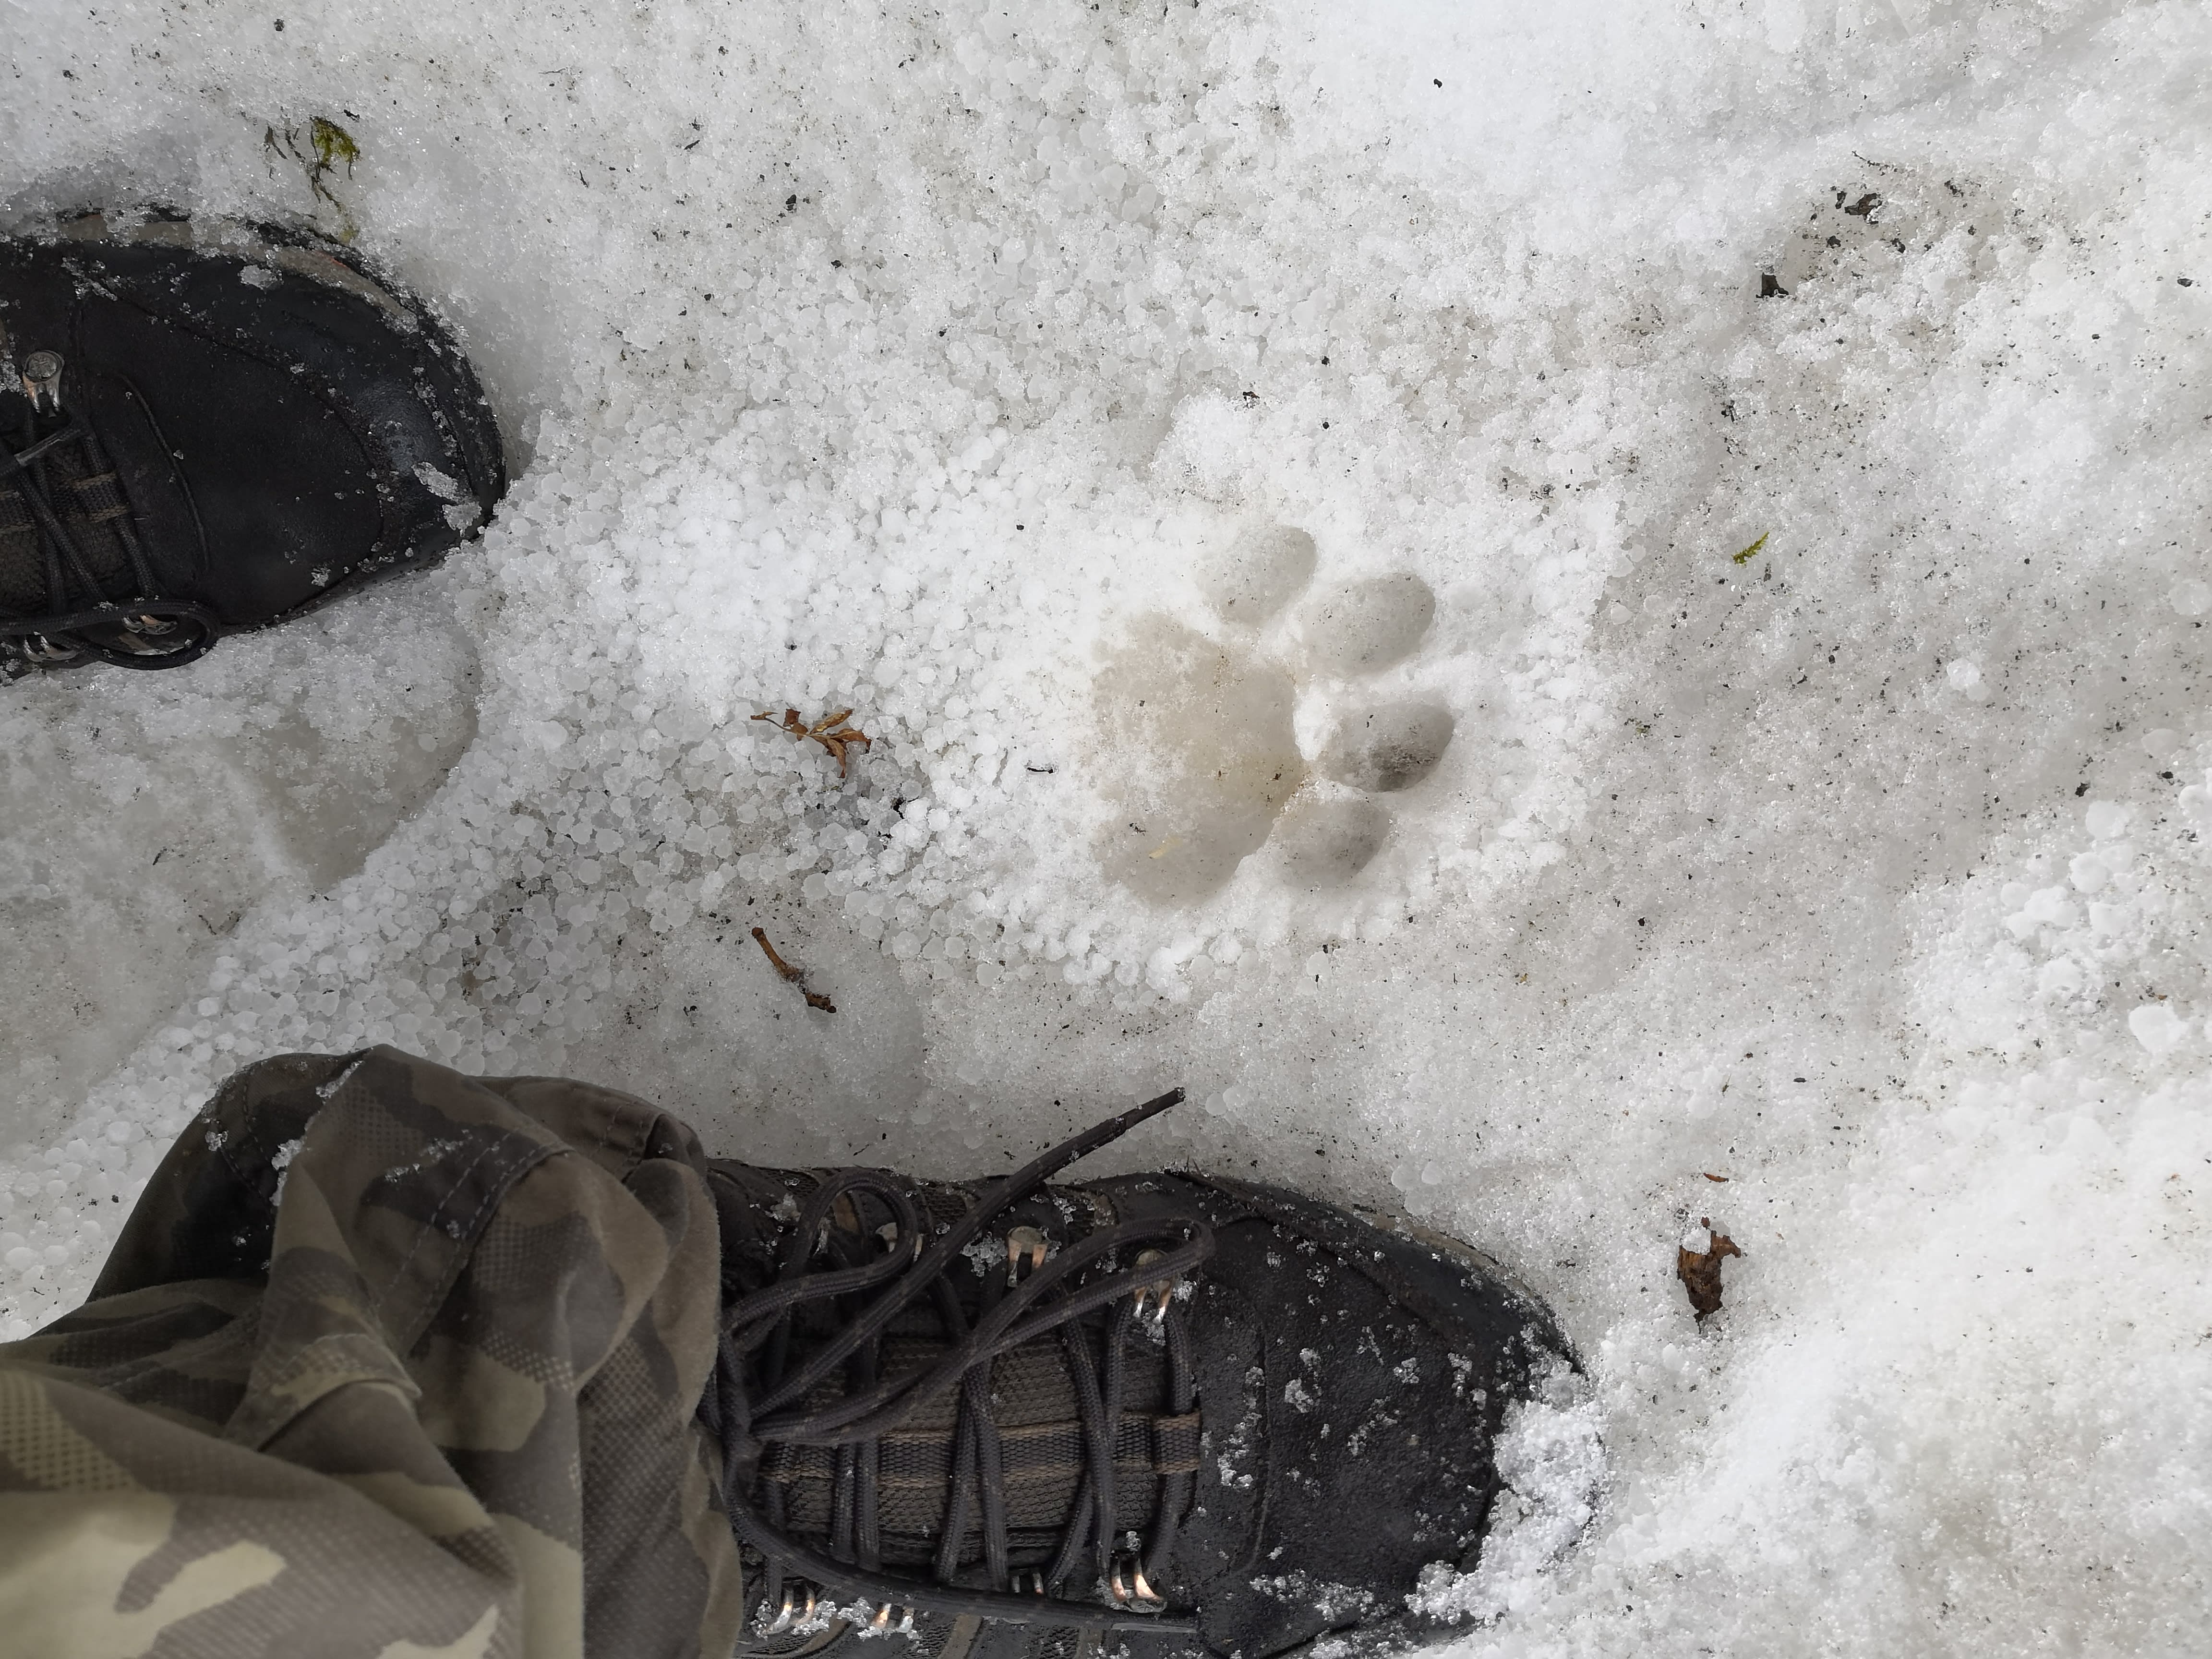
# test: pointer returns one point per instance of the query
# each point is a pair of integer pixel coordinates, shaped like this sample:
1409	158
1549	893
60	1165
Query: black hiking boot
209	428
1156	1414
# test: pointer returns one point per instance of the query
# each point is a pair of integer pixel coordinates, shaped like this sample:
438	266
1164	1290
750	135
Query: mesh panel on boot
1033	1400
87	496
1040	1453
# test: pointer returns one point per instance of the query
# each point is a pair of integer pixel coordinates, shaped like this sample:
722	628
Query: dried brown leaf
1700	1271
830	731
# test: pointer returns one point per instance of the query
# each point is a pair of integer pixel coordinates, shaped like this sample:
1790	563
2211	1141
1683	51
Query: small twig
814	999
776	961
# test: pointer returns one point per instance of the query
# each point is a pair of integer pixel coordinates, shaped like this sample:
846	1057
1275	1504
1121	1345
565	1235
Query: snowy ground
1270	480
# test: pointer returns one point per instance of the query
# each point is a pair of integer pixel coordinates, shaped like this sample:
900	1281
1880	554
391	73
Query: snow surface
1269	479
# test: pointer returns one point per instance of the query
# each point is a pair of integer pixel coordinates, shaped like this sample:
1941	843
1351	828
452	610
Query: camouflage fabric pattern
388	1361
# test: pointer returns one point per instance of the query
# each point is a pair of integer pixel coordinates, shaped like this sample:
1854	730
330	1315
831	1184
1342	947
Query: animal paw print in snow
1205	767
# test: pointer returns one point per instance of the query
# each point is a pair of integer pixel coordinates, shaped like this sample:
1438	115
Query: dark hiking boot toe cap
1386	1360
278	423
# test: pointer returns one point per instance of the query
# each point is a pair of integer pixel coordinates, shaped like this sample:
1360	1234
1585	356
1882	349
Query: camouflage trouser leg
387	1361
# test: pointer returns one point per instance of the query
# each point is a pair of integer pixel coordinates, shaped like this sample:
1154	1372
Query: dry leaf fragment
1700	1270
814	999
830	731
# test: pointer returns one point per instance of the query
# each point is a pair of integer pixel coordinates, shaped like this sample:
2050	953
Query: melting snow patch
1551	1462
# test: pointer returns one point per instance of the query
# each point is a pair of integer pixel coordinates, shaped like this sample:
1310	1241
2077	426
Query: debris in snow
326	146
814	999
1699	1269
830	731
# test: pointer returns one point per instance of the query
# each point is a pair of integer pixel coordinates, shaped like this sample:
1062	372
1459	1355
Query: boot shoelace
754	1400
144	631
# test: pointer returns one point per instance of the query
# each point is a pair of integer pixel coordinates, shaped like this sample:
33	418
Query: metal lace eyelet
791	1612
39	648
1155	1296
1129	1589
1026	1248
42	379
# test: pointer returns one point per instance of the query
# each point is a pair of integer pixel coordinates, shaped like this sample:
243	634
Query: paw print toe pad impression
1325	843
1363	626
1389	747
1263	571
